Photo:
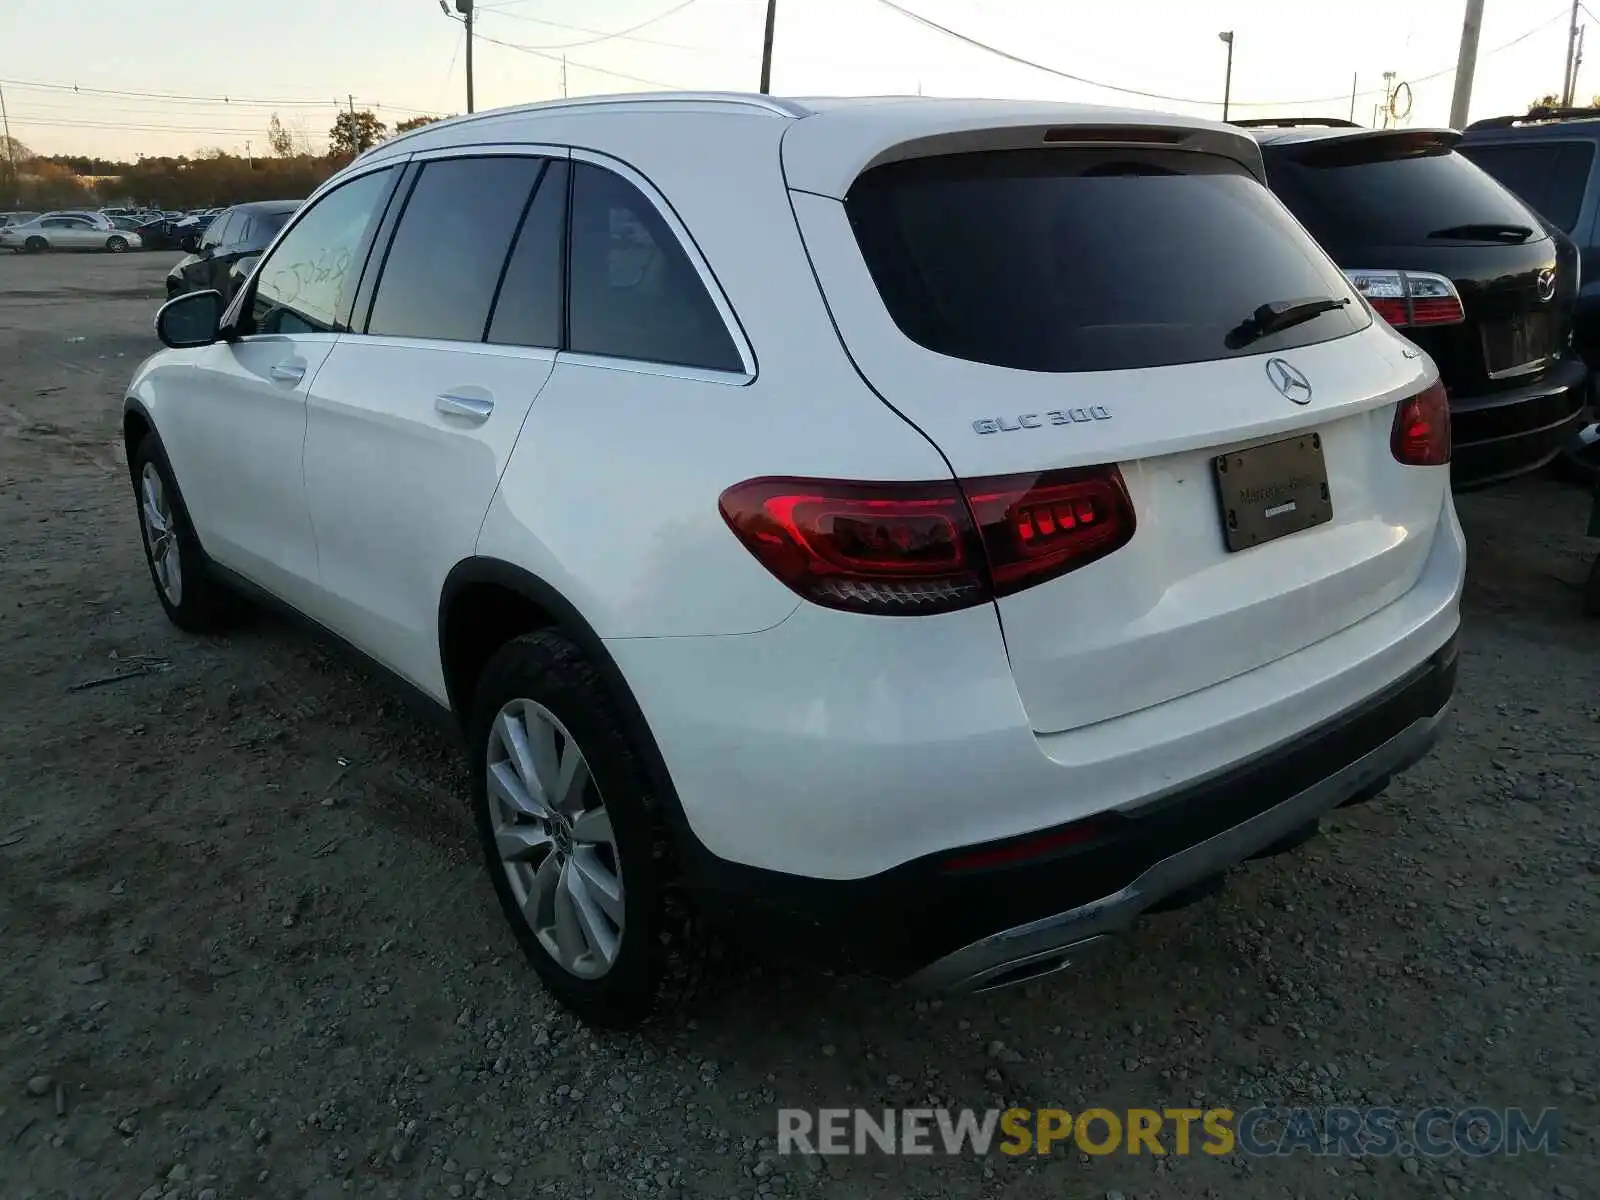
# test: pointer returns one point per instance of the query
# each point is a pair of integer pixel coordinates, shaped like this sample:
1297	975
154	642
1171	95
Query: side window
450	247
528	312
239	234
55	223
633	292
213	234
305	285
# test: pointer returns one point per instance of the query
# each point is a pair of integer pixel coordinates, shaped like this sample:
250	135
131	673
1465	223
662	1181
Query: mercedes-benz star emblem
1547	285
1293	385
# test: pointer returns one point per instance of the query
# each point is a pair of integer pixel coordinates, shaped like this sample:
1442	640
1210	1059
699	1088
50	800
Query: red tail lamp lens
1037	527
1421	436
915	548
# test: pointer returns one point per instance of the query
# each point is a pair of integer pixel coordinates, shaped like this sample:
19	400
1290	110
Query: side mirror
243	267
190	320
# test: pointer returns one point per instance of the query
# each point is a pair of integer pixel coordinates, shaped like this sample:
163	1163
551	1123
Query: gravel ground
247	949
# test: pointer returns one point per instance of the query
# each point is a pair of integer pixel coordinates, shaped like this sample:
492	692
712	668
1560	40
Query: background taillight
1410	299
916	548
1421	434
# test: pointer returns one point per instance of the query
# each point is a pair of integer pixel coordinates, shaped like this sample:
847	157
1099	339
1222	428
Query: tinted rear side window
1069	260
1551	176
633	292
528	312
444	264
1389	191
267	226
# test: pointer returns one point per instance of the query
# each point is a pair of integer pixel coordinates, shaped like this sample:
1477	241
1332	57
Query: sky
213	79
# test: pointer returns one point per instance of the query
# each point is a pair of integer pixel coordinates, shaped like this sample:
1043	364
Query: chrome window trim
708	280
645	366
493	150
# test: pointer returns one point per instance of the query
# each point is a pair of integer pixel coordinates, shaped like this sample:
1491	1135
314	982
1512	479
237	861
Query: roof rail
1296	123
1535	115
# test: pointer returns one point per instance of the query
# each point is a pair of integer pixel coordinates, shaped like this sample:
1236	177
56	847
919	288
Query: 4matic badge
1056	416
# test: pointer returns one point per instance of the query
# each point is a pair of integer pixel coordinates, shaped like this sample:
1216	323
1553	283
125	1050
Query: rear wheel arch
485	602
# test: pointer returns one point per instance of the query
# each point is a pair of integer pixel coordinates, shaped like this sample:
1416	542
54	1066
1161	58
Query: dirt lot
246	948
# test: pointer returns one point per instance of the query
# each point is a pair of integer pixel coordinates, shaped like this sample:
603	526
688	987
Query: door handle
471	407
288	372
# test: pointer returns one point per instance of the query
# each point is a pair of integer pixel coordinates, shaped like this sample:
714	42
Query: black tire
662	953
35	245
204	604
1591	590
117	245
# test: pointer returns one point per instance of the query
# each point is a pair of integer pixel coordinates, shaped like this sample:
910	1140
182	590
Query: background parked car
68	231
15	218
229	247
190	229
1469	272
157	233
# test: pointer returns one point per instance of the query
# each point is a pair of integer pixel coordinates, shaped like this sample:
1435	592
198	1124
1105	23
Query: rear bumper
1504	434
974	930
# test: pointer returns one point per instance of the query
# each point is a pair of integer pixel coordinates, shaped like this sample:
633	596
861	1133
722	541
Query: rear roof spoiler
1536	115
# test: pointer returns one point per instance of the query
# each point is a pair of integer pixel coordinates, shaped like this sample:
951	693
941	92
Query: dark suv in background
1467	270
1548	159
229	247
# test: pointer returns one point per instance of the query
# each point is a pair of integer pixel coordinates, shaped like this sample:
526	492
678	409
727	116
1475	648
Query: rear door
417	411
1032	310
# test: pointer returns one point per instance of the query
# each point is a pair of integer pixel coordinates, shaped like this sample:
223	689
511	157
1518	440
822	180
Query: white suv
942	530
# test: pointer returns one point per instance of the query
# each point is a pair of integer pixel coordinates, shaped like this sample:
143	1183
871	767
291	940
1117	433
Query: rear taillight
1410	299
914	548
1421	435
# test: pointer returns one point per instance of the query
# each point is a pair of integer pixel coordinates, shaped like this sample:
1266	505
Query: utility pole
11	147
352	99
766	48
248	161
1572	45
563	76
1227	80
1355	78
465	8
1577	65
1467	62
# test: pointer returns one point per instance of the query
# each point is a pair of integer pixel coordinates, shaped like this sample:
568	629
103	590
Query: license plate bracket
1271	491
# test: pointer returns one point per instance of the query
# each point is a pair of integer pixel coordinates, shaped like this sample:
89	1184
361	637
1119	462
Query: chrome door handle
471	407
288	373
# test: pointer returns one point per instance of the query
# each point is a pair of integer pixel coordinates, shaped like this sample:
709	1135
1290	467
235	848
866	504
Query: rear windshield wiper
1280	315
1485	231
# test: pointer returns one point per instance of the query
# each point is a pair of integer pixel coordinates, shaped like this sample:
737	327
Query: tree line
205	179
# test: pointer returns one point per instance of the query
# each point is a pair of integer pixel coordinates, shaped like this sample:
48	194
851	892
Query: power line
601	35
179	98
671	87
1111	87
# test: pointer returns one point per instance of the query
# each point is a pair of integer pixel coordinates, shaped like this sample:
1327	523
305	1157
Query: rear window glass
1381	191
1088	260
1551	176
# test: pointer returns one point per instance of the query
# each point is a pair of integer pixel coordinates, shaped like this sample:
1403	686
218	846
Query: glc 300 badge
1056	416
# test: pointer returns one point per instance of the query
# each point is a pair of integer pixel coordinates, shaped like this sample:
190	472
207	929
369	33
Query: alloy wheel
554	838
161	534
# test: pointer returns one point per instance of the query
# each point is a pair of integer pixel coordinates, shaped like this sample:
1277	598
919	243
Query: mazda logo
1546	285
1291	384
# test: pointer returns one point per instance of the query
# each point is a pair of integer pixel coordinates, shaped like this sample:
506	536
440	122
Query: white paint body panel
397	489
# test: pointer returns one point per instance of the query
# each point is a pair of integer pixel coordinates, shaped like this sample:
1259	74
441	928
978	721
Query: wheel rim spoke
572	944
505	785
593	828
518	761
539	906
601	884
598	933
521	843
574	777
